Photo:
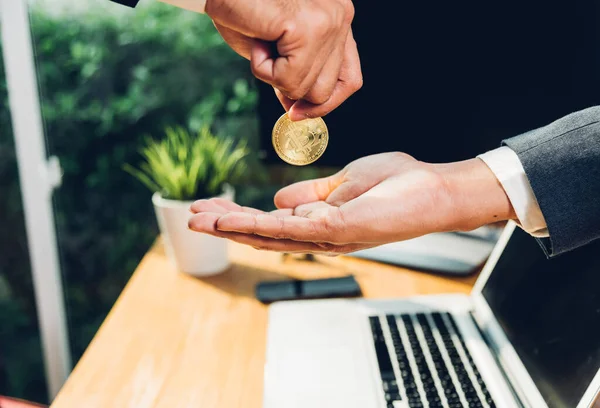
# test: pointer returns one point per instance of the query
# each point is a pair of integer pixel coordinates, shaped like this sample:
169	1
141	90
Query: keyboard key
383	356
440	364
480	381
425	374
441	391
412	393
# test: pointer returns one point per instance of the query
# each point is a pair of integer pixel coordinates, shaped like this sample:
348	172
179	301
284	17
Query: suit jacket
562	163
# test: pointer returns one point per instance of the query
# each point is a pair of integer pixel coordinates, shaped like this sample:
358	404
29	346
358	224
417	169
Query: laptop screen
550	312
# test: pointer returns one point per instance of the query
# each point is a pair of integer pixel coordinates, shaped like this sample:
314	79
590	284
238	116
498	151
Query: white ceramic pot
191	252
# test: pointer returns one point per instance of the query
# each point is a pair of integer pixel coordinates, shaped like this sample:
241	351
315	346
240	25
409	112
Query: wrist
476	196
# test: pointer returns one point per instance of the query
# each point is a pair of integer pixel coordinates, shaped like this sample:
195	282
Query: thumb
307	191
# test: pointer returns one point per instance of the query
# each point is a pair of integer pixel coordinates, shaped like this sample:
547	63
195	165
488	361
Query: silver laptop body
442	351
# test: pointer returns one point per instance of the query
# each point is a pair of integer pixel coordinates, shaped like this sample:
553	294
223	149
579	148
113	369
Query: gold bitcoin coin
300	143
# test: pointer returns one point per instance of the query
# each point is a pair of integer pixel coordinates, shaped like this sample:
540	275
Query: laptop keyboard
424	362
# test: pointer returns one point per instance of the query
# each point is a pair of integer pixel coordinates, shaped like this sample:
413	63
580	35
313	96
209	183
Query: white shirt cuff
193	5
507	168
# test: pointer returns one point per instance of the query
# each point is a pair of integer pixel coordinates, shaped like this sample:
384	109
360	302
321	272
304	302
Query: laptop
451	253
528	335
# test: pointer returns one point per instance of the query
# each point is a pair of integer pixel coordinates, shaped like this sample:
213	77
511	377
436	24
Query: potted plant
182	168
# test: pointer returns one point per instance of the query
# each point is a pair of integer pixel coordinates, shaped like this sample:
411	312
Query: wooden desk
175	341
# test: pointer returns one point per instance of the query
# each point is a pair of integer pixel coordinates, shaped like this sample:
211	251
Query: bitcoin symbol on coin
300	143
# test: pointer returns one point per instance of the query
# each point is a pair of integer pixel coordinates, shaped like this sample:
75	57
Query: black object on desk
293	289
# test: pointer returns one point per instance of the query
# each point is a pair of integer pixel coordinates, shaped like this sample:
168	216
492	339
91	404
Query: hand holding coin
302	142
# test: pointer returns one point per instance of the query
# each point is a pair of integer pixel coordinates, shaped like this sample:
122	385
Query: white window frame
39	175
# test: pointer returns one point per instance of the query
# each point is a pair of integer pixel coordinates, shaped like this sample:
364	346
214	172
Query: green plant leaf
141	176
186	167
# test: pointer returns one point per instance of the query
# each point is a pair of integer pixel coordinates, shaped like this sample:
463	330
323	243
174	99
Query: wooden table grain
174	341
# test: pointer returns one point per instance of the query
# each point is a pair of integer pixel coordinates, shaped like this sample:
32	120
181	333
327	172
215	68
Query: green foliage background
108	77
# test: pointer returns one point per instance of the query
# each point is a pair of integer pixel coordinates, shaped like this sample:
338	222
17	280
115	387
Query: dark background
445	81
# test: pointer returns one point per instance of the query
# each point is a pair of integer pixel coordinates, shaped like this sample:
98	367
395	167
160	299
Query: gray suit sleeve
562	162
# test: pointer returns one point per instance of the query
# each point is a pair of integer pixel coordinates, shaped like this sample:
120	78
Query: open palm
374	200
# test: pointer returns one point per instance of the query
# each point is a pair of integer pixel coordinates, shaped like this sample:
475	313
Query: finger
292	74
212	205
315	209
220	205
295	228
285	101
283	212
307	191
347	191
270	244
206	223
349	81
262	61
326	82
289	246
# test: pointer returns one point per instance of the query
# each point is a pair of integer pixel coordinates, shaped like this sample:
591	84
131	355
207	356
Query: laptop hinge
494	351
